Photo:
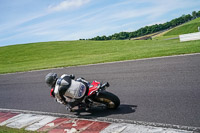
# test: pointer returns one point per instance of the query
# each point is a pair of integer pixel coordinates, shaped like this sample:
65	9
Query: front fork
102	88
88	101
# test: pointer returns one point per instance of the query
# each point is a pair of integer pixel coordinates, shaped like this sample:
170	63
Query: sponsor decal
91	86
59	81
81	90
62	81
91	92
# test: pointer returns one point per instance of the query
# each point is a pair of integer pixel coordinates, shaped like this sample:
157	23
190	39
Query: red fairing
51	93
93	87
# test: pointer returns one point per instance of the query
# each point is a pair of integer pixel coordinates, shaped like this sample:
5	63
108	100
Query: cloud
67	4
99	18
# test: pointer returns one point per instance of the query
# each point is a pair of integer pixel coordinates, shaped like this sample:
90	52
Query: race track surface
162	90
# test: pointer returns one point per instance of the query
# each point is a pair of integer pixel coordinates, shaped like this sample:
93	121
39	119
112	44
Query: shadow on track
102	112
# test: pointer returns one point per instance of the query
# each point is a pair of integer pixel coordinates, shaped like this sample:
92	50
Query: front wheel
110	100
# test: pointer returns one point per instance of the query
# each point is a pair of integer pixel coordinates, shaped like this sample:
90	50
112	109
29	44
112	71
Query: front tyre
110	100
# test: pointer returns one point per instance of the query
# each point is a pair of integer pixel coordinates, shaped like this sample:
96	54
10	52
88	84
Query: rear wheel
110	100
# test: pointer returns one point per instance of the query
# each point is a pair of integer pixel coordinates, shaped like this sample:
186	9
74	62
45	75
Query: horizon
30	21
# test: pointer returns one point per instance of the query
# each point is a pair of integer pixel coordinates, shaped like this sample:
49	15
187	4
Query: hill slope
44	55
72	53
189	27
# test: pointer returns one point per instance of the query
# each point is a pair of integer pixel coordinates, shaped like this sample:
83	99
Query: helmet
50	79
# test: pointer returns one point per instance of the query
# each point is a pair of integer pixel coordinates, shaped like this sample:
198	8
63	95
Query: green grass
189	27
4	129
72	53
44	55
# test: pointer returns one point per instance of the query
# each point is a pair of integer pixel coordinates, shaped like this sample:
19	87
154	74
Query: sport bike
97	96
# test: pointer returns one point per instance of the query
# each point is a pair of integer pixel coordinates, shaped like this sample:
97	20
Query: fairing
93	88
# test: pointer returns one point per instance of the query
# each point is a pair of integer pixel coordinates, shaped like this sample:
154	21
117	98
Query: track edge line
105	119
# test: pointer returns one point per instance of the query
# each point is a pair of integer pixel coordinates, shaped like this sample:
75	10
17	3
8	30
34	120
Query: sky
28	21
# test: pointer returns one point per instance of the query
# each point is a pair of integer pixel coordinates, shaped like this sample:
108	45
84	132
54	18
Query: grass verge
4	129
72	53
186	28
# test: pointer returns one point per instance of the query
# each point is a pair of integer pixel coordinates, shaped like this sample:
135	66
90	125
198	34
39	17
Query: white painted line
119	122
25	120
72	130
50	124
133	128
11	119
38	113
41	123
115	128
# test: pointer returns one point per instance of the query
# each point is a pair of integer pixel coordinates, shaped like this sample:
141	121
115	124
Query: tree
188	18
198	14
150	29
194	14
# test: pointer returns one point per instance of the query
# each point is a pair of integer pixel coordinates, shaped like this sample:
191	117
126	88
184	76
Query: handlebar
105	85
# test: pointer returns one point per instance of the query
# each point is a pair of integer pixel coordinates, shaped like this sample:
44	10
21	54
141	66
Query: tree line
149	29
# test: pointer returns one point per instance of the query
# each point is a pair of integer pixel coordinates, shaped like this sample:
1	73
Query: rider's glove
57	100
68	108
64	102
60	101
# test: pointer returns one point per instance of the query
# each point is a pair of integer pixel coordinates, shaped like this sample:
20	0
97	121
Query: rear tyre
110	100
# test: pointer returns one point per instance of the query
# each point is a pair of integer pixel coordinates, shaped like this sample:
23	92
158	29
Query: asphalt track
160	90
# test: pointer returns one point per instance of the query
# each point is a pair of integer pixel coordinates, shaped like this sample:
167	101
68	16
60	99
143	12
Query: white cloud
67	4
97	20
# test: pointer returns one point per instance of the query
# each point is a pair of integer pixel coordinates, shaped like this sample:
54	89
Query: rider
66	89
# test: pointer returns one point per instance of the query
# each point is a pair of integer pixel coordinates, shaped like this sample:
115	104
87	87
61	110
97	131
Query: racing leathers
70	92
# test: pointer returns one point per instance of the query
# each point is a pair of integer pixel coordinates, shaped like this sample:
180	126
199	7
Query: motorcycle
98	96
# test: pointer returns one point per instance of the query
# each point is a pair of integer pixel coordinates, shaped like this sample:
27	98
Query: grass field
44	55
189	27
72	53
4	129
